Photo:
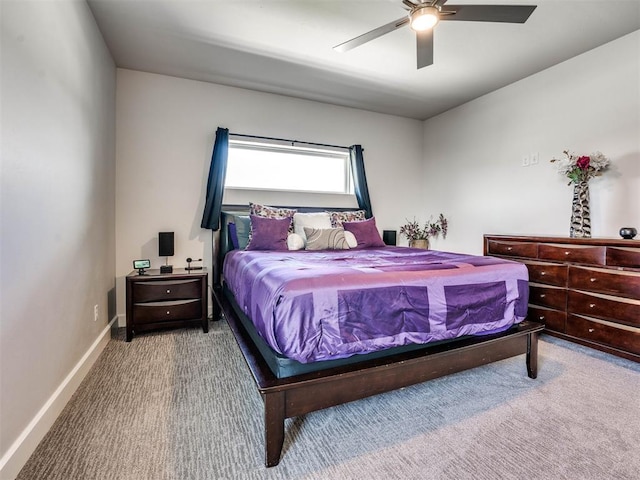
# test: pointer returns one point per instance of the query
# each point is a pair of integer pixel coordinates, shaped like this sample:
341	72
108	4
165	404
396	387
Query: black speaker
389	237
165	244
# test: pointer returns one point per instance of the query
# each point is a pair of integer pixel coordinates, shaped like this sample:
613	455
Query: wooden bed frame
293	396
301	394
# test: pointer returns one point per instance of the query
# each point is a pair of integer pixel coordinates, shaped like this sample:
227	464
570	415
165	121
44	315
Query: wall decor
579	169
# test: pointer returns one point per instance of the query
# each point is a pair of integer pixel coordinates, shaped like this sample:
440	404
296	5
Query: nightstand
166	300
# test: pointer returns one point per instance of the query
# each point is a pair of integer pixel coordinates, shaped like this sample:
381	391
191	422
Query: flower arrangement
581	168
413	231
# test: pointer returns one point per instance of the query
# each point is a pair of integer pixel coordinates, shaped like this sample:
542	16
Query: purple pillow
233	235
366	233
269	233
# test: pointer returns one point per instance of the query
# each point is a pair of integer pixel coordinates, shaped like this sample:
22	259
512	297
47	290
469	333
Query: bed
311	345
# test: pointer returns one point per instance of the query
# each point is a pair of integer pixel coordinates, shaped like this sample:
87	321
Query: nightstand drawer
625	284
550	274
605	307
154	312
552	319
623	257
513	249
572	253
167	290
624	338
551	297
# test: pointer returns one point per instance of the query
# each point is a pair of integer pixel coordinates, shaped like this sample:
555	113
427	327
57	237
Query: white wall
57	253
165	132
473	154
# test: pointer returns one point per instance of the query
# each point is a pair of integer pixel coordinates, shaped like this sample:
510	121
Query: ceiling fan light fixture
424	18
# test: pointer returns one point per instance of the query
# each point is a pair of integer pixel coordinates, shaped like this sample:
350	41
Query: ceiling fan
424	15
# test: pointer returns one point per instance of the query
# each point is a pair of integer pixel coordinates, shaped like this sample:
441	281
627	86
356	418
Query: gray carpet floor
181	404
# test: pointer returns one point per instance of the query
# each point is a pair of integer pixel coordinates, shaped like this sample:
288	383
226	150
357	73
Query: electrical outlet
534	158
95	313
525	161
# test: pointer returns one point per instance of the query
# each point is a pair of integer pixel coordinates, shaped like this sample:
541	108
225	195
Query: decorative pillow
269	233
233	235
325	239
366	233
351	239
295	242
243	230
337	218
271	212
311	220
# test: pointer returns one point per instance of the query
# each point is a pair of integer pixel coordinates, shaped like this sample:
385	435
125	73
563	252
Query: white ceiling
285	47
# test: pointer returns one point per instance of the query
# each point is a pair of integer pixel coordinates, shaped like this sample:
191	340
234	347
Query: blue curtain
215	182
360	179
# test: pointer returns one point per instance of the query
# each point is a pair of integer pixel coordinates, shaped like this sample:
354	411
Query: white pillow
319	220
295	242
351	239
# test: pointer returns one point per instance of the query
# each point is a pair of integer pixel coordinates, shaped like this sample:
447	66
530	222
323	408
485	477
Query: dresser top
612	242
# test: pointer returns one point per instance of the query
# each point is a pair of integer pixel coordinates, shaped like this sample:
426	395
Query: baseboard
18	454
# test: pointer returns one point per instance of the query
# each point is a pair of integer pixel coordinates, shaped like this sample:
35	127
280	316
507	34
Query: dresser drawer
572	253
622	337
548	273
623	257
552	319
167	290
625	284
545	296
513	249
154	312
605	307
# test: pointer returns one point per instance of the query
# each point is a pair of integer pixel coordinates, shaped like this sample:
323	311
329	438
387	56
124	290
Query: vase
580	215
422	243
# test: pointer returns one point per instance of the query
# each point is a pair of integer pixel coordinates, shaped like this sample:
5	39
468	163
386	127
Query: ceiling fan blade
425	48
373	34
488	13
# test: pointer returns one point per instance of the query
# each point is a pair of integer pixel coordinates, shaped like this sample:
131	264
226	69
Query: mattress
318	306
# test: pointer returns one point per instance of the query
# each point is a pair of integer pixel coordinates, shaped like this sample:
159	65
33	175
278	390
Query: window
267	165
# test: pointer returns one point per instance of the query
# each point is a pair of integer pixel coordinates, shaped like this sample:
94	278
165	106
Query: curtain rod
292	142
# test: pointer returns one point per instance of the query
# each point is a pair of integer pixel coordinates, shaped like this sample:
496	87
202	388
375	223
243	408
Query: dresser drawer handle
168	291
542	295
593	279
591	330
541	317
567	253
509	248
168	312
591	305
543	273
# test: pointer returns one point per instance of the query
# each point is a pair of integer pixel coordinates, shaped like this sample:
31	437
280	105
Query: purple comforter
313	306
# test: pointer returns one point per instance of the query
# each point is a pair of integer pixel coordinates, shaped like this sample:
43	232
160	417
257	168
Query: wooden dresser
585	290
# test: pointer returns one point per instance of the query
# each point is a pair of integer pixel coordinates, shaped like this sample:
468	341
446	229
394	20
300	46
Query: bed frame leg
273	427
532	355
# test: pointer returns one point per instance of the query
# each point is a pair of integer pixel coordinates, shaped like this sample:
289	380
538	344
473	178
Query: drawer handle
593	279
541	317
591	305
543	273
509	248
168	291
591	330
168	312
542	295
567	252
